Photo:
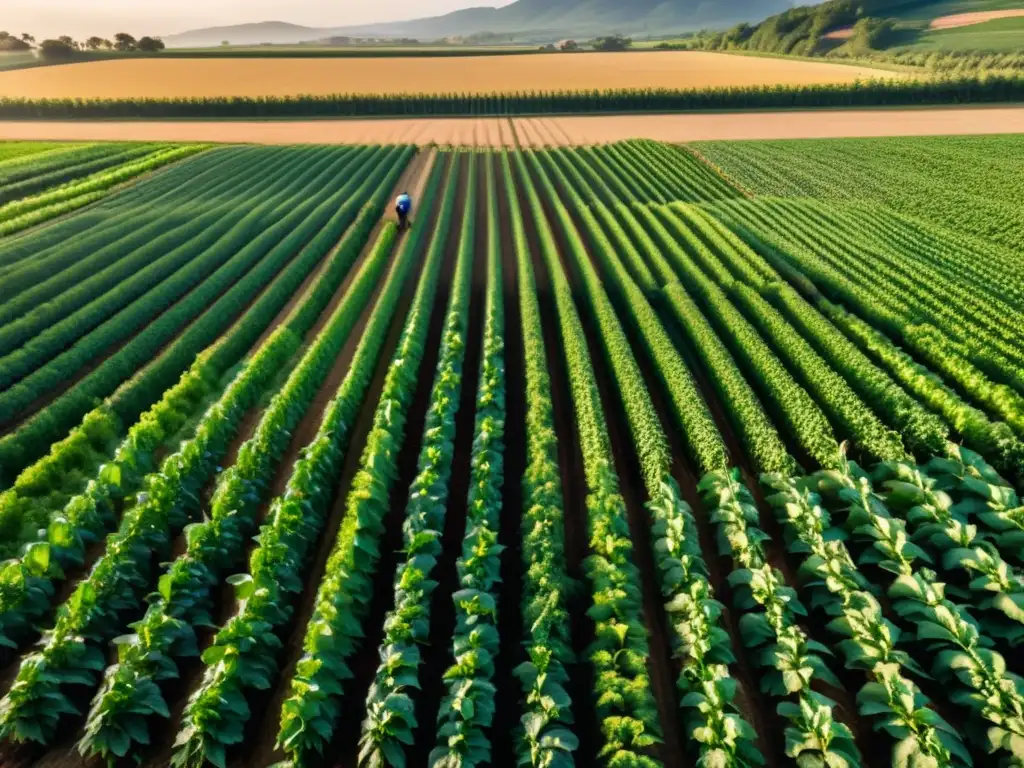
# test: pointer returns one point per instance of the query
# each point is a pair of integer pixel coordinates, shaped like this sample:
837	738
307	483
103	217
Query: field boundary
563	131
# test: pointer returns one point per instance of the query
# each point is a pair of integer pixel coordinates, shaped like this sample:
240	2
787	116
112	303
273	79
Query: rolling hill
532	18
276	32
865	28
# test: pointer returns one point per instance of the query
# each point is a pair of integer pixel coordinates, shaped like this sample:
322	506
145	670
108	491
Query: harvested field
978	17
185	78
496	132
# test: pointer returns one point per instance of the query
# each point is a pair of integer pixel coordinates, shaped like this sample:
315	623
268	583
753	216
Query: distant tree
124	42
737	35
96	43
151	44
873	34
56	50
568	45
225	43
27	38
612	43
69	42
9	43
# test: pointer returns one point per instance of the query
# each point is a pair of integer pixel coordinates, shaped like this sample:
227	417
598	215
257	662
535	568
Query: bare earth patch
198	78
544	131
967	19
843	33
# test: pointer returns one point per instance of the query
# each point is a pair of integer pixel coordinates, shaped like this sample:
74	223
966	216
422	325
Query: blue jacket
404	203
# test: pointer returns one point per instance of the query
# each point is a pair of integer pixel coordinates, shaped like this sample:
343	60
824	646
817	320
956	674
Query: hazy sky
46	18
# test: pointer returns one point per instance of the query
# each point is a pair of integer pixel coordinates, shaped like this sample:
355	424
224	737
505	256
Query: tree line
933	90
805	31
66	47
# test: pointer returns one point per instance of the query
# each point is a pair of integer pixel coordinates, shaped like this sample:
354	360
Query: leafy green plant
85	291
243	655
707	689
942	528
72	652
546	735
207	312
625	703
22	214
166	633
963	656
900	708
85	516
924	432
233	245
796	409
792	659
467	708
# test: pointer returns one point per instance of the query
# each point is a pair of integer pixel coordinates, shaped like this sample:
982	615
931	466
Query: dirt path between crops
543	131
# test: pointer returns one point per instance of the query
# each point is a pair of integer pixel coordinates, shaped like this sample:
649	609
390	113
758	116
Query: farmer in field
403	207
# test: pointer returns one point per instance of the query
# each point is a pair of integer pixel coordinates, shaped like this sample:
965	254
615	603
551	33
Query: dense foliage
685	485
953	89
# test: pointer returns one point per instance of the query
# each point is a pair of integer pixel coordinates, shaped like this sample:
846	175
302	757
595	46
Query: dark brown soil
266	705
191	670
510	628
574	490
661	668
437	654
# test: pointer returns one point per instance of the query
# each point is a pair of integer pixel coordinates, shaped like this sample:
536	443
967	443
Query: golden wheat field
181	78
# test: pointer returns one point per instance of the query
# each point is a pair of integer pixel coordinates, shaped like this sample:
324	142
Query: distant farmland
185	78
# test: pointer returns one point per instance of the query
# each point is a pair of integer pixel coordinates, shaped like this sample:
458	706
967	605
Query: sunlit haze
45	18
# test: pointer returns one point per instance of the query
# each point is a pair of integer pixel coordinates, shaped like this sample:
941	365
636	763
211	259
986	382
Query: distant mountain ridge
276	32
551	18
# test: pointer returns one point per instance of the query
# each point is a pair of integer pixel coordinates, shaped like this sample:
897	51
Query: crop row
243	655
890	92
967	186
983	563
216	307
29	212
546	735
718	581
90	617
105	257
56	246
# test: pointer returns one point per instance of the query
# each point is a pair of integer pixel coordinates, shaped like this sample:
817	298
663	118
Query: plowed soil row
545	131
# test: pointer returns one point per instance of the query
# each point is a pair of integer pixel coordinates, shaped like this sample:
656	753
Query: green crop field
996	36
630	455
